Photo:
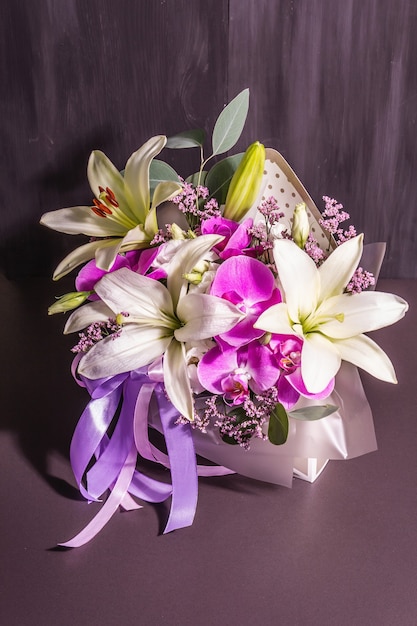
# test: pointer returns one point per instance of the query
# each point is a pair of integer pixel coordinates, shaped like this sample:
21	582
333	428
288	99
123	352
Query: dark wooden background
333	87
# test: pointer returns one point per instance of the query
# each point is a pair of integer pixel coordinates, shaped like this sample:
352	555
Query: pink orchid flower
236	236
287	350
232	372
250	285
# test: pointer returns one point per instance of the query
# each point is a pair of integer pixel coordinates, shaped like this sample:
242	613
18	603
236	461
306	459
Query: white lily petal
150	226
136	238
79	319
165	191
320	362
205	316
176	380
143	298
135	347
136	176
275	320
338	268
80	255
298	276
366	354
102	173
187	257
361	313
105	256
80	220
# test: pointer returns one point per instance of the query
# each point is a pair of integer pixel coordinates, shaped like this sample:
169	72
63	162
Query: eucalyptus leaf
278	426
312	413
230	123
220	175
159	171
187	139
197	178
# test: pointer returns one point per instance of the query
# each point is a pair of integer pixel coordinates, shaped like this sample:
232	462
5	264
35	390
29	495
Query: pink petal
214	367
262	367
296	381
90	274
250	279
239	240
219	226
287	395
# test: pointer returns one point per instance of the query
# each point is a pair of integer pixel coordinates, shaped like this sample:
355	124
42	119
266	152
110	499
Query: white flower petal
136	176
320	362
135	347
338	268
361	313
176	380
165	191
136	238
106	256
366	354
299	278
187	257
102	173
143	298
205	316
275	320
81	220
79	319
80	255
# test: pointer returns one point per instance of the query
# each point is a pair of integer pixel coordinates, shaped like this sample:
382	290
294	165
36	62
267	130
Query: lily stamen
108	195
100	209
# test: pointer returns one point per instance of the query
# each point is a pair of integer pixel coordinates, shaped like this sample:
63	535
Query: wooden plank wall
333	87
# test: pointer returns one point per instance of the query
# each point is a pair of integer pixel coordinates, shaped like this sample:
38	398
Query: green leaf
230	123
197	178
159	171
229	440
278	426
186	139
311	413
220	175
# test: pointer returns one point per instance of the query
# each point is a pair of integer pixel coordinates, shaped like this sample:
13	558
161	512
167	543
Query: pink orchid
232	372
137	260
287	350
236	236
250	285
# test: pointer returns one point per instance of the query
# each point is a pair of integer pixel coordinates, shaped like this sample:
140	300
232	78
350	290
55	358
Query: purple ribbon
113	456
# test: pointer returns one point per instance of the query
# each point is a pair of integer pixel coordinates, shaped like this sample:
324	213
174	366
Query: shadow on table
41	403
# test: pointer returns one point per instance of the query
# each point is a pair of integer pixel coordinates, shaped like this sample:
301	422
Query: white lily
330	322
122	216
157	320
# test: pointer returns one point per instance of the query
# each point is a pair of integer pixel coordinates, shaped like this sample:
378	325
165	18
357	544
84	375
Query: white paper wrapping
345	434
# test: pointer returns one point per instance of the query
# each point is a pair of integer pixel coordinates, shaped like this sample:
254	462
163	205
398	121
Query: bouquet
222	310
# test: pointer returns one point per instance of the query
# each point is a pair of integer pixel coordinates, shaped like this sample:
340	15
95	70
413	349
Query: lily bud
245	183
68	302
300	226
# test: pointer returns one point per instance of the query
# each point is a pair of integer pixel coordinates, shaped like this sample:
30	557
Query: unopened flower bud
177	232
196	275
245	184
68	302
300	226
